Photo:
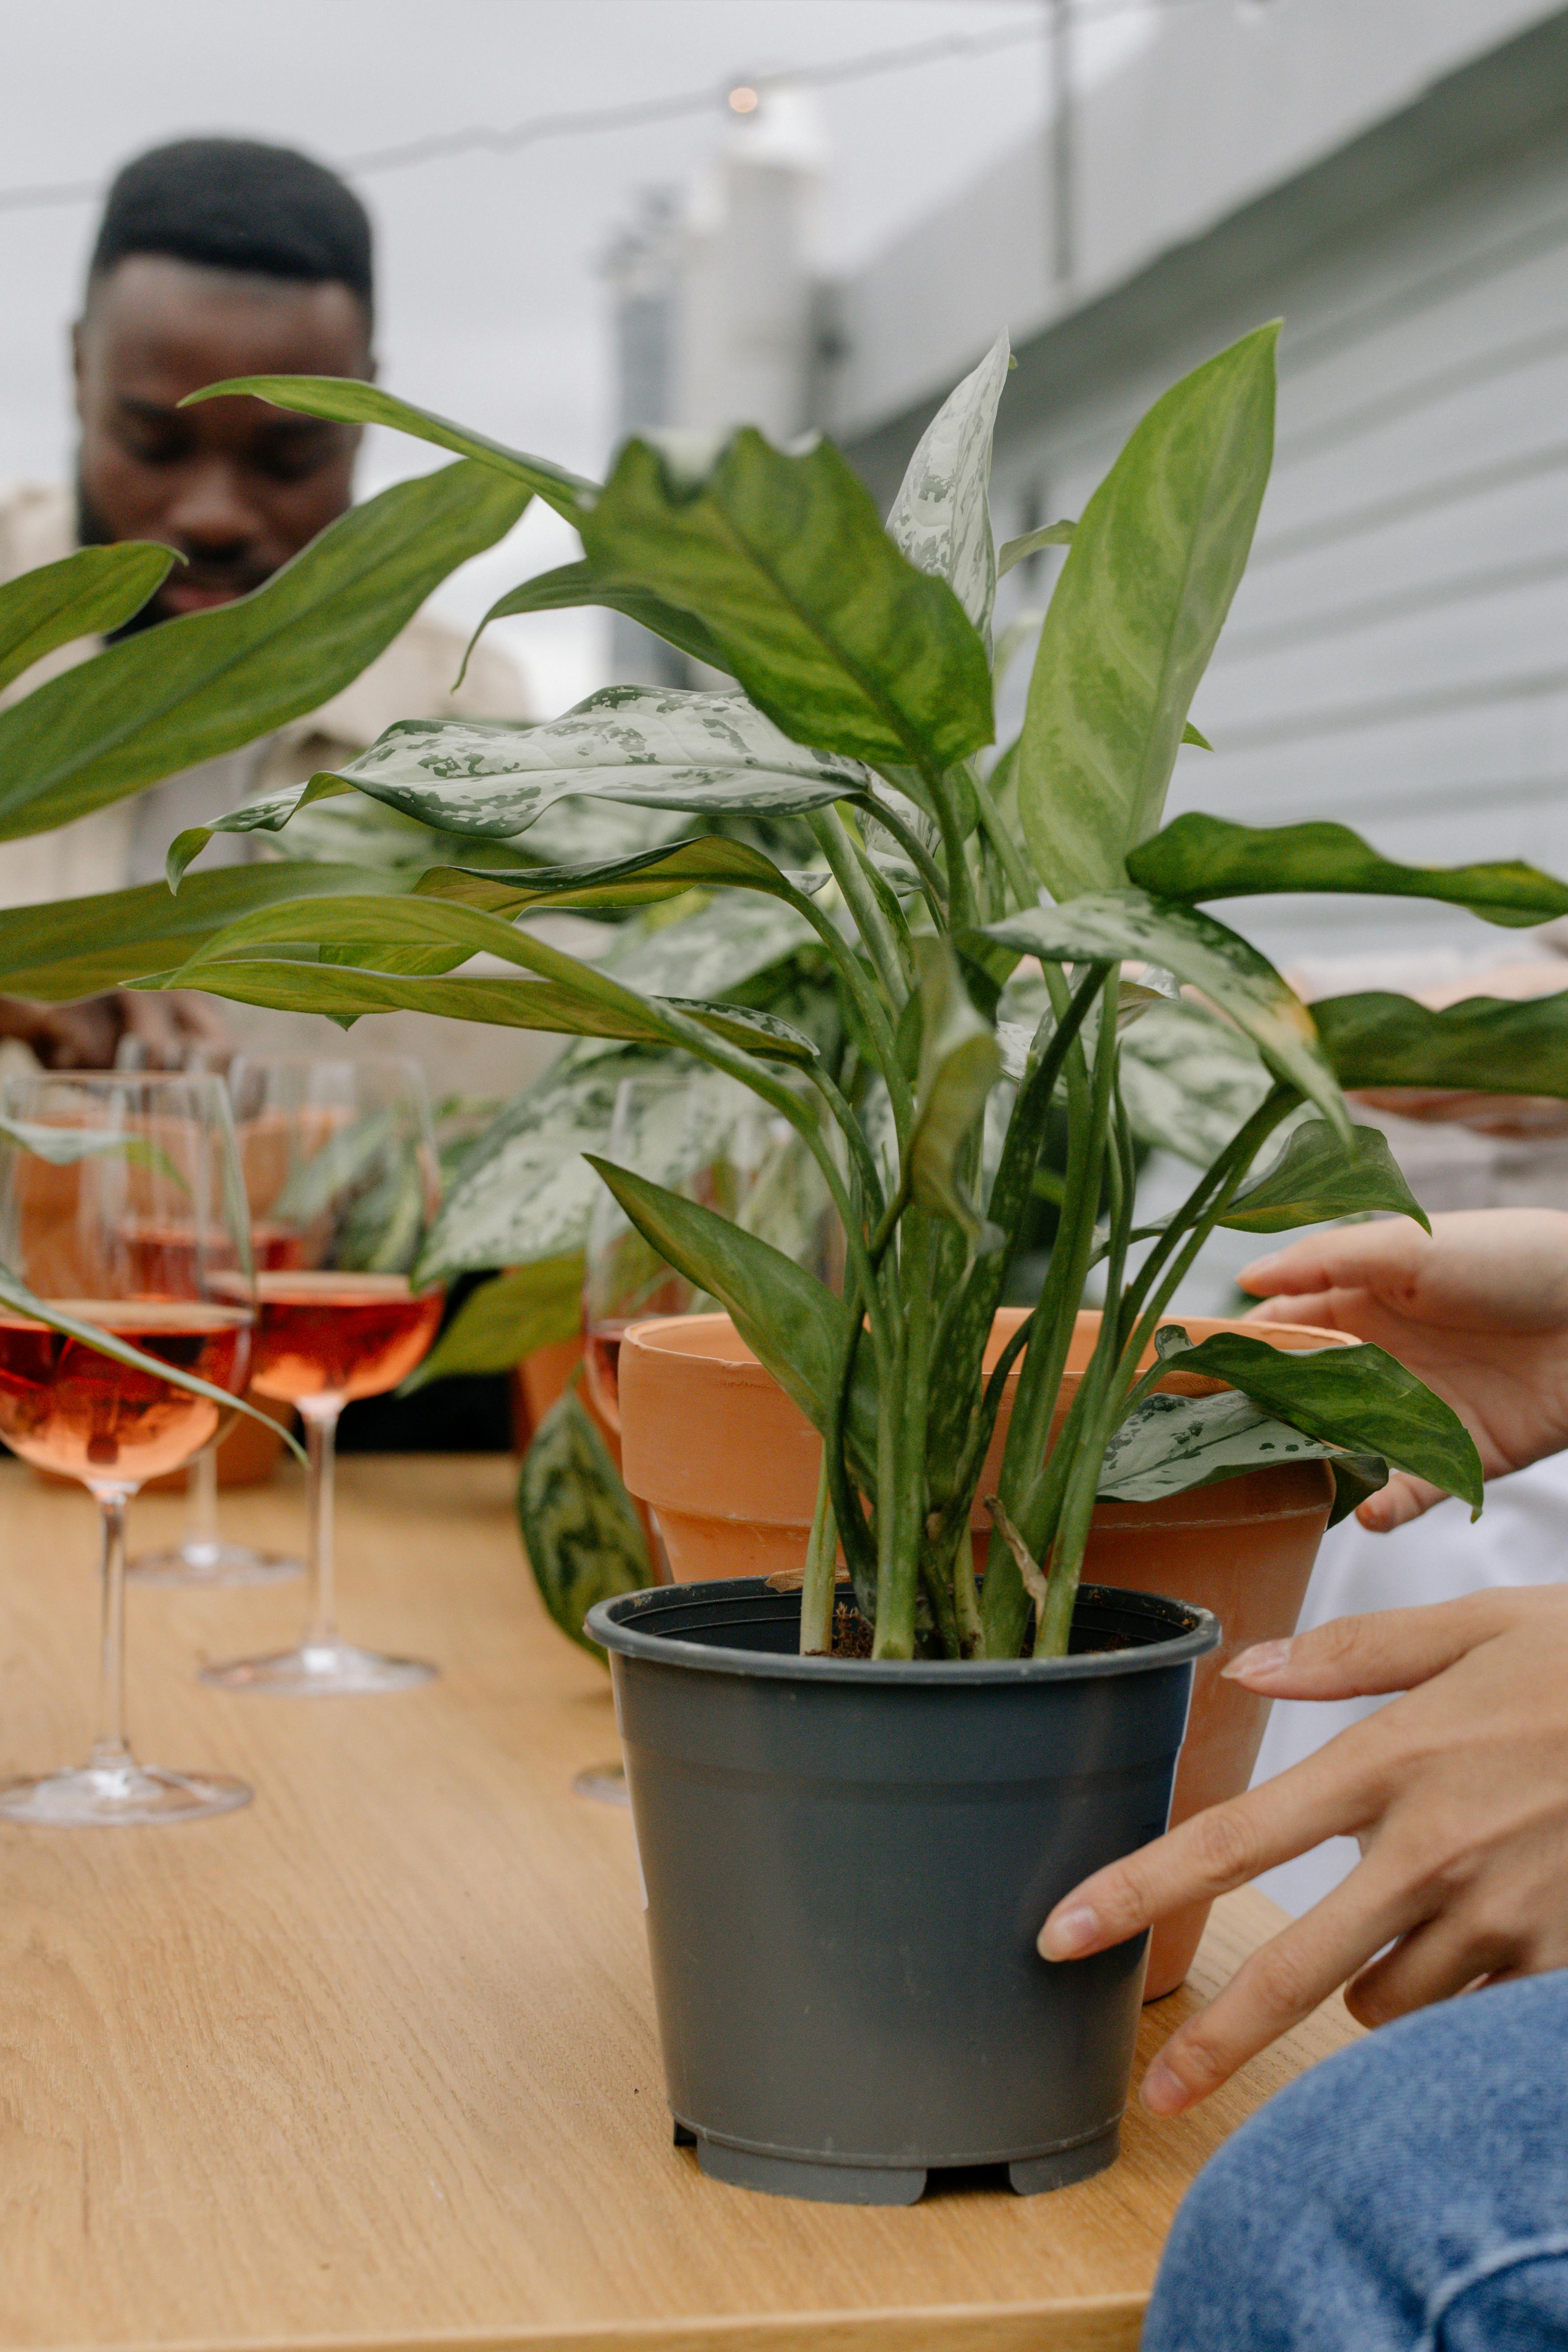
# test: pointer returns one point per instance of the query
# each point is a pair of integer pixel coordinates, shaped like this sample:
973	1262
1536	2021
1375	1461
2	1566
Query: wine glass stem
201	1502
321	1435
110	1748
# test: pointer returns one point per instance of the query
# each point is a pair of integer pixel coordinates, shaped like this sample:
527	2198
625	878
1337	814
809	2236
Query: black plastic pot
845	1865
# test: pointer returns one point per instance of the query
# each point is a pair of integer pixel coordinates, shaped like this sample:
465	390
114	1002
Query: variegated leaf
580	1528
941	516
647	746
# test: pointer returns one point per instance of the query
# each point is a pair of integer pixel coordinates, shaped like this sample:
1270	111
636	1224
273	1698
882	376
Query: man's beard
233	578
92	530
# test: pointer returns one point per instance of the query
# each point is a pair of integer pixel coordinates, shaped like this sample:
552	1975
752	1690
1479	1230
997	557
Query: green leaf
651	747
207	682
1140	601
1190	735
959	1063
644	879
572	585
1489	1044
1315	1178
22	1301
1169	1443
791	1322
1202	857
840	640
78	946
344	400
526	1307
1106	926
1018	551
83	595
941	516
1358	1398
344	993
581	1532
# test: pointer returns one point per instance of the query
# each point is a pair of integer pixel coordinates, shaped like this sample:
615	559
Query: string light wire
481	137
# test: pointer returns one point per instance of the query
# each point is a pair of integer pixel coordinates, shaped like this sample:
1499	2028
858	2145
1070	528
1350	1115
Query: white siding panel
1398	657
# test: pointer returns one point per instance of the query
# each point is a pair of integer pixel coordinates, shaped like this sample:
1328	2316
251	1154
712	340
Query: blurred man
214	257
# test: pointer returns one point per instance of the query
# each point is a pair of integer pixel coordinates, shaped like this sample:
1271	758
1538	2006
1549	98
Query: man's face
235	486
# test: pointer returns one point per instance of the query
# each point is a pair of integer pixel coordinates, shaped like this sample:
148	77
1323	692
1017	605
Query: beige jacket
125	843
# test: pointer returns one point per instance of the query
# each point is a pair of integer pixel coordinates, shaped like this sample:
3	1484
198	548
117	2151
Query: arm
88	1035
1458	1792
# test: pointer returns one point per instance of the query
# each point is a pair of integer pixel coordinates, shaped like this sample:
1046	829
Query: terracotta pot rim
654	1334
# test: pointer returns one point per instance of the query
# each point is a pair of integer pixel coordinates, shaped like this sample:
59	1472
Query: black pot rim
613	1624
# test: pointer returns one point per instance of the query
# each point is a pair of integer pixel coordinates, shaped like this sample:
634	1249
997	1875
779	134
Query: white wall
1222	102
1397	656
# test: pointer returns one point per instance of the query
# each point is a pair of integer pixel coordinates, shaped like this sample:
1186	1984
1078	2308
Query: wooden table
374	2061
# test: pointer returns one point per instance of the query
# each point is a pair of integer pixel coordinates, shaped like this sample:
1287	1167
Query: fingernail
1259	1270
1067	1933
1165	2092
1259	1664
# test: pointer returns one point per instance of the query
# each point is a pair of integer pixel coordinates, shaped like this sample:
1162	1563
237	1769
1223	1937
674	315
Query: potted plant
854	1804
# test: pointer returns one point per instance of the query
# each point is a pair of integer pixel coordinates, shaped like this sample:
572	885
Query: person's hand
86	1035
1479	1311
1457	1793
165	1026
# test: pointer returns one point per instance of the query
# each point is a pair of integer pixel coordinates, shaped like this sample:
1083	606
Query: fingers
1438	1960
1402	1499
1356	1657
1277	1987
1341	1257
1214	1853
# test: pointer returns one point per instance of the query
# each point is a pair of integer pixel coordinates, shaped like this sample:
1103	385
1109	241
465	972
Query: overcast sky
491	303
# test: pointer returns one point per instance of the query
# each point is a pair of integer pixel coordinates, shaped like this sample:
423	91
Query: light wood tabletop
374	2061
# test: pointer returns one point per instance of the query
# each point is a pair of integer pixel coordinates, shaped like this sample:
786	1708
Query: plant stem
1029	1490
872	924
1025	889
821	1558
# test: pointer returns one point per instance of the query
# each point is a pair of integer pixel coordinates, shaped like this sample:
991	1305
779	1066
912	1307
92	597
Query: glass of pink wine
120	1205
339	1168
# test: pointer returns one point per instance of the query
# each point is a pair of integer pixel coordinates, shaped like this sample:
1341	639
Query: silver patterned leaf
1171	1442
579	1527
942	517
648	747
1189	1081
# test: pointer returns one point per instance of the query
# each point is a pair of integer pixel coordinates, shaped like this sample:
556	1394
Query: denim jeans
1409	2195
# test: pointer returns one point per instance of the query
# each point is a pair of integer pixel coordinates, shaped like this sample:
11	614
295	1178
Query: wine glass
339	1161
203	1556
120	1204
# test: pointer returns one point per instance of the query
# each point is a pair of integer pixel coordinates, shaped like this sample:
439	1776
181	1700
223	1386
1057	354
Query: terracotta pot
728	1465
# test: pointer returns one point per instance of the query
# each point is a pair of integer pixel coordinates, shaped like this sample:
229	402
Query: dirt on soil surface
851	1635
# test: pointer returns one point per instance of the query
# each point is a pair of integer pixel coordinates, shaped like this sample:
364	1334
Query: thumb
1358	1657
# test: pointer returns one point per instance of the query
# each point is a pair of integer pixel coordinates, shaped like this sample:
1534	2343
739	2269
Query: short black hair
237	204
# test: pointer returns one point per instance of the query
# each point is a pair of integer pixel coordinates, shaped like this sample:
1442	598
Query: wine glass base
214	1563
603	1784
95	1796
319	1670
